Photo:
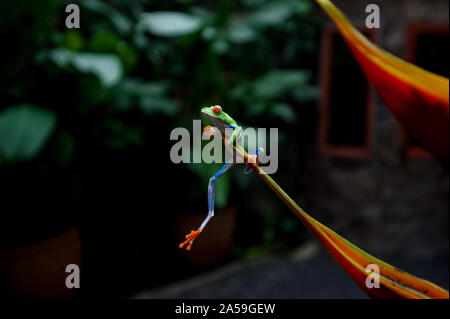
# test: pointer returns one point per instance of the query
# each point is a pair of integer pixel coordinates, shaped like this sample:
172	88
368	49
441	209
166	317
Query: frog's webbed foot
209	131
252	159
190	239
251	162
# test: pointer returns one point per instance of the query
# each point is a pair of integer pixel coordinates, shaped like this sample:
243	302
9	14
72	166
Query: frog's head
217	116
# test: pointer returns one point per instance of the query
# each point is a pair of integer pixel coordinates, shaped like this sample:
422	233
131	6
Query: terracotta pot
213	244
38	270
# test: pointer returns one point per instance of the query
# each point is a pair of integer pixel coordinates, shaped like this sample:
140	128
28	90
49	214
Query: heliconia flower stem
394	283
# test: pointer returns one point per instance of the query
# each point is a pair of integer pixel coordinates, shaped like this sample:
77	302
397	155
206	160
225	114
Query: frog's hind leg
211	195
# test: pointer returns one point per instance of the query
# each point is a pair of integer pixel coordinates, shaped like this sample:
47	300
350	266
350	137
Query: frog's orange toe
190	239
209	131
252	160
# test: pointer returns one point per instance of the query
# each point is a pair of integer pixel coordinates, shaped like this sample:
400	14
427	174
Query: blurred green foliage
24	129
136	69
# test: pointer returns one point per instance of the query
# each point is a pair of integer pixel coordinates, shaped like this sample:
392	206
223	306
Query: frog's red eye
217	109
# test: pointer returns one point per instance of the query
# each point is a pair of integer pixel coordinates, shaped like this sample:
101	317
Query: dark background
85	119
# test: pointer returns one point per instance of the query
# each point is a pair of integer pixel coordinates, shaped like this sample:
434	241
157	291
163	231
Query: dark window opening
427	47
432	53
348	95
347	100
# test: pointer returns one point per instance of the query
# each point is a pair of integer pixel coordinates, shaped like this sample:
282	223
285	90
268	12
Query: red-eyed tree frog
231	133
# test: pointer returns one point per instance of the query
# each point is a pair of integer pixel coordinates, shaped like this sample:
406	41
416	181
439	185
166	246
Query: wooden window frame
411	151
343	151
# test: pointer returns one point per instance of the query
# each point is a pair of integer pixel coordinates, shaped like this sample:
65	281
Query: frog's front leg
194	233
235	136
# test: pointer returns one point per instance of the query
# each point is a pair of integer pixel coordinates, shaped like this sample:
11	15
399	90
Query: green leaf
283	111
240	33
109	42
272	14
120	21
303	7
151	97
277	82
135	87
169	23
72	40
103	41
24	130
220	46
127	54
107	67
209	34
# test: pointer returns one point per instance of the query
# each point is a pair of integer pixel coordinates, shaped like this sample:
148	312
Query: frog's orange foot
209	131
252	160
190	239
